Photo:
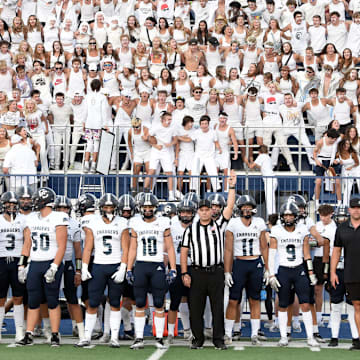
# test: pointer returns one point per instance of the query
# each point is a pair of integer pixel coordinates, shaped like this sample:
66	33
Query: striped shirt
205	243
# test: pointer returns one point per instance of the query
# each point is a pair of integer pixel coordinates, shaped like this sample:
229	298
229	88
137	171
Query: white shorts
223	160
164	158
185	160
239	133
250	133
142	157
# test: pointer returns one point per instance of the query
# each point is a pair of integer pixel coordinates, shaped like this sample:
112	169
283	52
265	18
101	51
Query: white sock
207	315
276	321
171	193
81	330
115	320
229	327
351	318
19	320
318	317
46	322
107	312
308	323
315	329
139	326
171	329
283	317
335	317
288	329
159	326
2	314
90	321
237	326
73	324
184	315
125	315
255	326
296	319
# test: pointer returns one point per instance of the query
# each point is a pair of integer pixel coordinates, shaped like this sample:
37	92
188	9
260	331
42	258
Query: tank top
223	138
144	113
333	63
3	151
213	59
313	65
232	61
76	82
221	85
87	12
16	39
299	37
140	146
110	83
234	114
33	38
164	37
59	84
157	112
341	112
351	88
89	80
6	82
236	86
179	36
124	58
285	86
326	151
114	37
183	90
239	37
107	9
93	59
250	57
122	118
50	35
54	59
271	67
253	113
166	87
100	36
212	110
127	83
320	114
288	60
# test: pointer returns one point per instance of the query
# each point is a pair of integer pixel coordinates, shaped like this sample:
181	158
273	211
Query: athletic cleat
261	336
208	333
236	335
105	338
274	328
96	335
227	340
170	339
188	335
220	346
195	346
268	324
55	340
38	331
312	342
114	343
319	338
47	335
334	342
138	344
160	344
283	342
255	340
26	340
82	343
75	332
128	335
355	345
296	326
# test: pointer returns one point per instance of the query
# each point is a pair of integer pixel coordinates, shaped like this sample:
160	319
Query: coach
204	241
347	237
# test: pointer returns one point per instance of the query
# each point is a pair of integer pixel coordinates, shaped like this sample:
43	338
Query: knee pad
96	145
158	302
89	146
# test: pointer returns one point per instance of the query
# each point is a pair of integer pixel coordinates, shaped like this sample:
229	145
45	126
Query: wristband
309	265
326	268
232	187
78	264
23	260
185	273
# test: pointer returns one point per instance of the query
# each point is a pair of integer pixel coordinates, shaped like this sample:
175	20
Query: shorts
320	171
164	158
319	269
185	161
223	160
251	133
178	290
142	157
92	134
337	294
9	277
239	133
70	290
353	291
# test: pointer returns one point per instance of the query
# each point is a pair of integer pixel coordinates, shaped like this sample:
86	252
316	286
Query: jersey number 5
107	245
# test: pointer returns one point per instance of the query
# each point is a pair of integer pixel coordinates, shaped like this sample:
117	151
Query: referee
204	241
347	237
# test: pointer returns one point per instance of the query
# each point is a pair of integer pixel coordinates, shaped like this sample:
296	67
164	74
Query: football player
108	235
186	211
72	278
24	194
150	238
244	245
12	226
45	237
291	241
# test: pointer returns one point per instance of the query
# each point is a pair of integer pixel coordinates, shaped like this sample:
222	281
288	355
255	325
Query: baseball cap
92	67
355	202
214	41
126	93
193	41
204	202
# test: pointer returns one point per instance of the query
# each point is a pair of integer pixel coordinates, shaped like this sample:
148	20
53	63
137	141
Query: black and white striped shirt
205	243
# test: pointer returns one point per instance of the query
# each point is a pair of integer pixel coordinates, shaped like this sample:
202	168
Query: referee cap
355	202
204	202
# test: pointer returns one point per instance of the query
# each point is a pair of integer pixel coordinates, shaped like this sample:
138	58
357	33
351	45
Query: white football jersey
11	236
325	231
246	238
43	234
308	222
107	239
150	238
290	244
74	235
177	233
330	234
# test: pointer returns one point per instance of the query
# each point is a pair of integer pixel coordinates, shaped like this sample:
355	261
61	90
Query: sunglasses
136	127
94	43
197	92
58	68
107	65
309	72
127	96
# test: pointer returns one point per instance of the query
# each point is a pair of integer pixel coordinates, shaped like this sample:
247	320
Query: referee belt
209	269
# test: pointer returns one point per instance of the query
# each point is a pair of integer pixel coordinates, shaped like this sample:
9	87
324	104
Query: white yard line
157	354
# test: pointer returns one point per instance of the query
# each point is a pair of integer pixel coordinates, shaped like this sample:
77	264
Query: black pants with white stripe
205	284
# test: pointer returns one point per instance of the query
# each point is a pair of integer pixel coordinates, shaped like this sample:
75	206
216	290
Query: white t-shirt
61	116
97	109
264	161
204	142
186	146
163	134
197	108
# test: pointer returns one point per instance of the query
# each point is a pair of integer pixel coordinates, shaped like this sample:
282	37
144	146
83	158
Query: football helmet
341	214
108	200
63	202
43	197
246	200
218	200
301	204
24	194
186	205
149	200
289	208
192	197
126	203
138	198
86	202
168	210
9	203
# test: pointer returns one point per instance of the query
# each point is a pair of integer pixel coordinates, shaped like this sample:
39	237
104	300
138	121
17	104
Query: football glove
229	282
22	274
85	274
51	273
130	277
119	275
171	276
313	279
266	277
274	283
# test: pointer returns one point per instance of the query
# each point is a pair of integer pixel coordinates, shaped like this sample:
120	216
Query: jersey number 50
40	239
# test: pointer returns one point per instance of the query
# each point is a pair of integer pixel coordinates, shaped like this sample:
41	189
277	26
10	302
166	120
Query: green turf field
68	352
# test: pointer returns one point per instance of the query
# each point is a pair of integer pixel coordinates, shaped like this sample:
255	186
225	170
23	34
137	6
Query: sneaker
187	335
334	342
179	195
114	343
283	342
171	198
195	346
105	338
227	340
261	336
55	340
170	339
255	340
268	324
208	333
236	335
220	346
47	335
138	344
296	326
96	335
71	166
82	343
355	345
160	344
86	167
52	165
312	342
26	340
319	338
274	328
128	335
38	331
57	167
93	168
75	332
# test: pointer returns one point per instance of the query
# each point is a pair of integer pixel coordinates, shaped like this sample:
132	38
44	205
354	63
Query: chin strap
109	216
